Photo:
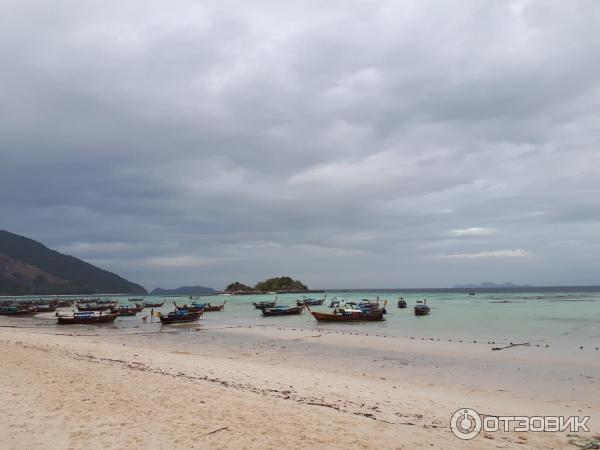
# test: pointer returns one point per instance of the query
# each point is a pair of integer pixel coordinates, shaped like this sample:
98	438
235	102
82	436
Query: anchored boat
87	317
179	316
351	315
422	309
282	311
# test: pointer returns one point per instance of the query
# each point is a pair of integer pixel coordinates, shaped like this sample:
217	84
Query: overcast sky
345	143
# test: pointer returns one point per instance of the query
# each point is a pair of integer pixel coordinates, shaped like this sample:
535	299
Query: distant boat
96	307
128	310
282	311
310	301
153	304
88	317
422	309
179	316
210	308
49	307
266	304
194	307
65	303
401	303
16	311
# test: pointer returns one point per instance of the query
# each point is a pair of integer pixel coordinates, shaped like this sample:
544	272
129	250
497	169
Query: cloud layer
349	144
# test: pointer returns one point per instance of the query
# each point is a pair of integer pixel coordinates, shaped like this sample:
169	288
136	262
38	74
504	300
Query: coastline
273	387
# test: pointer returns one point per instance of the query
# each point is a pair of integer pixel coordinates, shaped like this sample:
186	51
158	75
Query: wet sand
273	387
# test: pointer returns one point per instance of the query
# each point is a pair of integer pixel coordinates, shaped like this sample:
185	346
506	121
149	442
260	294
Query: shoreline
391	393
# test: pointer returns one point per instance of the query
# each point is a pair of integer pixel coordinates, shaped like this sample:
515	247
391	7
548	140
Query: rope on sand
214	431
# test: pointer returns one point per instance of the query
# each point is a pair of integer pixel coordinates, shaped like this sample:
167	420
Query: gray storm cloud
349	144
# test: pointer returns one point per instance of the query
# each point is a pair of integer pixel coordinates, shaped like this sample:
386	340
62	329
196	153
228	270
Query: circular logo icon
465	423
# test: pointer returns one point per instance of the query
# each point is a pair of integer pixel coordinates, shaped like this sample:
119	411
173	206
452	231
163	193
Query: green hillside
28	267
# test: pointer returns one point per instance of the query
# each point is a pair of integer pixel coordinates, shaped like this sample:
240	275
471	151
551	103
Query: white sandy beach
276	388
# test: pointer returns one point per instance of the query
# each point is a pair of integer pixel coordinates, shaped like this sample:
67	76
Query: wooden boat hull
310	302
153	305
91	320
401	304
89	308
263	305
214	308
46	308
192	308
191	317
419	312
65	304
19	312
268	312
325	317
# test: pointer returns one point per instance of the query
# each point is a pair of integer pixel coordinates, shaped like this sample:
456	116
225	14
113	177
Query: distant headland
28	267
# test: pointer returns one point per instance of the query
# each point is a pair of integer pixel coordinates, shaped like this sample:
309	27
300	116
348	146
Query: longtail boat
105	301
422	309
153	304
311	301
208	307
96	307
266	304
50	307
350	315
88	317
16	311
128	310
401	303
282	311
194	307
179	316
65	303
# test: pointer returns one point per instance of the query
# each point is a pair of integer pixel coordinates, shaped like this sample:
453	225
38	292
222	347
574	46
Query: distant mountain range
487	285
29	267
185	290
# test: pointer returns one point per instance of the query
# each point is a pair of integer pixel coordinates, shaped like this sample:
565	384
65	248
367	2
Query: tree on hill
280	284
238	287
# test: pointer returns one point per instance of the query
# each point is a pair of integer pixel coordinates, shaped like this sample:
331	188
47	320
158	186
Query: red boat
350	315
88	317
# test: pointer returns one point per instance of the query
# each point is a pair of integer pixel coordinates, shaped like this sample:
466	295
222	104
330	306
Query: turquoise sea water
566	319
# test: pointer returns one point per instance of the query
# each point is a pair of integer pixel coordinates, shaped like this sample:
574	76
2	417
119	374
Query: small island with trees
279	285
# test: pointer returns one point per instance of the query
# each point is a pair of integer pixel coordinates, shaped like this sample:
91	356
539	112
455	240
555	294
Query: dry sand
274	389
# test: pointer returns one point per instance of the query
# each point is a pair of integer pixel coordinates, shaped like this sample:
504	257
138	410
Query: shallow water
562	318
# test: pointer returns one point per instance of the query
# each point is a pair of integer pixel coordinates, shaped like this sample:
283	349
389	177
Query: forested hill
29	267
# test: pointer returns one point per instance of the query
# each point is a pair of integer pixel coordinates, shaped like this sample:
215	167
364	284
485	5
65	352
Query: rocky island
279	285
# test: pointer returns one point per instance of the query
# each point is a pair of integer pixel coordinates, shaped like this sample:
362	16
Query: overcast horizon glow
346	144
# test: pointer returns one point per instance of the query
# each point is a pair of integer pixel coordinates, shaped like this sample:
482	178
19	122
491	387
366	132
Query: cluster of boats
344	311
96	310
14	308
421	308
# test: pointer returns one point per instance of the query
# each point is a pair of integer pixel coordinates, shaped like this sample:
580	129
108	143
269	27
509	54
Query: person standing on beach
151	314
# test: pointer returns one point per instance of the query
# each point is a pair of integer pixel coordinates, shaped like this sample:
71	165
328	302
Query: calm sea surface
563	318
